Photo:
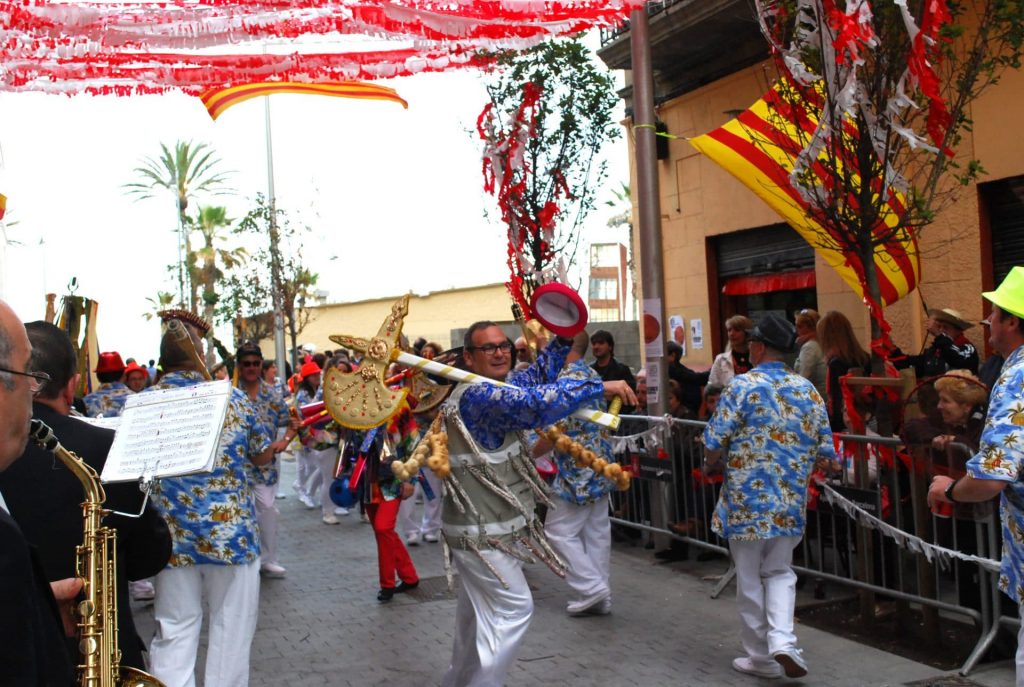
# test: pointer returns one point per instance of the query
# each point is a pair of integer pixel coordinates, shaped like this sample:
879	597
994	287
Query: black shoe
385	595
406	586
672	555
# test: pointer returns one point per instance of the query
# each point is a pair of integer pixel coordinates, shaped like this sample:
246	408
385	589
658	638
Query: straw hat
951	317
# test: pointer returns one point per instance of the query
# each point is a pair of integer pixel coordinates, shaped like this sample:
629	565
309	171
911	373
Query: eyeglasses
38	379
251	363
490	349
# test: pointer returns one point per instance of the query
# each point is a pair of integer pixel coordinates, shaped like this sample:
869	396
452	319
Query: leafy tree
247	299
190	169
550	112
882	93
206	262
161	301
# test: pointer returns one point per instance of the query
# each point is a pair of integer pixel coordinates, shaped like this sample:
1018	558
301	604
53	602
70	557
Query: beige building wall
431	316
699	199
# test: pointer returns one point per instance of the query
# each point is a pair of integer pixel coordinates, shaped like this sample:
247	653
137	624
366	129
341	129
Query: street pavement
322	625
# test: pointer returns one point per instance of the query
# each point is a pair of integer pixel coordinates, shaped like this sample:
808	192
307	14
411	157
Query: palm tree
209	223
190	169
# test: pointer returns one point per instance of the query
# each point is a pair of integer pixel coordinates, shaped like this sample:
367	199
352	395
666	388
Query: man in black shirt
949	350
603	345
689	381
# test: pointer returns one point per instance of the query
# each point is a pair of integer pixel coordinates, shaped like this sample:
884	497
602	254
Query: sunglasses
251	363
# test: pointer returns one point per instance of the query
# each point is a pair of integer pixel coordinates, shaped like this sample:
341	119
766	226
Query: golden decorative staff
362	400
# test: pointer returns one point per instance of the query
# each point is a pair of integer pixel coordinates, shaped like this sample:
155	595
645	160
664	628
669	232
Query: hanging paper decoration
126	48
218	100
760	148
508	175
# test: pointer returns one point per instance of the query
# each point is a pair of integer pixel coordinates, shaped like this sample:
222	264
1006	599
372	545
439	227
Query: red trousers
391	554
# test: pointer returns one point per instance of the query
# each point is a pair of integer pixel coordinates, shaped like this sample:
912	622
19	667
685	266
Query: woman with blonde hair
842	353
735	360
810	361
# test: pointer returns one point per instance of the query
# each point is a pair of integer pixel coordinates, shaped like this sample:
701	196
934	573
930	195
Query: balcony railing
653	8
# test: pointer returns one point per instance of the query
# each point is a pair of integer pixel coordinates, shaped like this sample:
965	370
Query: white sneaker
364	518
413	539
307	501
330	520
282	495
273	570
341	511
792	662
431	538
590	606
142	590
745	664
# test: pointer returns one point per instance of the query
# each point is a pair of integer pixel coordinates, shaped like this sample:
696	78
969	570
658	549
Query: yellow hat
1009	295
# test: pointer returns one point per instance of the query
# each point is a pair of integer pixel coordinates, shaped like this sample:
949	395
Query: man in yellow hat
950	348
998	466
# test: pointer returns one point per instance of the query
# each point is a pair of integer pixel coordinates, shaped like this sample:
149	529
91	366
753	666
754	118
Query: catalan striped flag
219	99
759	148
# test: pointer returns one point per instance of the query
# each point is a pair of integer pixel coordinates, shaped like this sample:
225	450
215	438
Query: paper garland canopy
142	47
759	148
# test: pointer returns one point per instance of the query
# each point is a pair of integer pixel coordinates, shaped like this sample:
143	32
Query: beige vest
495	517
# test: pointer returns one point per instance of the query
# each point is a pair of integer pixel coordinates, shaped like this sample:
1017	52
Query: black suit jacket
45	499
32	643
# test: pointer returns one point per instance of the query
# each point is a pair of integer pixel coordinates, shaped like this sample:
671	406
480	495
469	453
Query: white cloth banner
904	540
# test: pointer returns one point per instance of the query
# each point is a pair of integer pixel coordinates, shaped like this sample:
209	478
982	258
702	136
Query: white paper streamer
903	539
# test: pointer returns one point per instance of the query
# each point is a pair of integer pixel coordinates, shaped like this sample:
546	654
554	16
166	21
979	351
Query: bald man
32	627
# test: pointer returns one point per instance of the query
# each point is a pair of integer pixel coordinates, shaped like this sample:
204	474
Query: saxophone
96	564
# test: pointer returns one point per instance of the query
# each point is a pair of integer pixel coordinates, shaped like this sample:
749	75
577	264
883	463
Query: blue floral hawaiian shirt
302	397
537	398
108	400
212	516
771	425
272	411
1001	456
574	484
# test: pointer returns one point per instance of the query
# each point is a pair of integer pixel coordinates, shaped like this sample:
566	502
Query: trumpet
96	564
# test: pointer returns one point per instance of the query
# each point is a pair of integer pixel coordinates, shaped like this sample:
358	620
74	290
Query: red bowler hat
109	362
134	367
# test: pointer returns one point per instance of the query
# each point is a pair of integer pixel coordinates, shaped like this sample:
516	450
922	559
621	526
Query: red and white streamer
144	47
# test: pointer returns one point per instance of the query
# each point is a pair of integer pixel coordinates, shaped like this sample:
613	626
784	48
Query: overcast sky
394	196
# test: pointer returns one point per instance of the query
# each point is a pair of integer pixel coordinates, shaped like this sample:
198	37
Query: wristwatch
949	491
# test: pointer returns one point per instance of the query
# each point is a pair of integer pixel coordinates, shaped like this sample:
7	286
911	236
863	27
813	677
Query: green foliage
573	121
275	247
188	170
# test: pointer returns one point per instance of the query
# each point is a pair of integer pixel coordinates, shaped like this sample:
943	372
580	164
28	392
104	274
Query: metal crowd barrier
671	498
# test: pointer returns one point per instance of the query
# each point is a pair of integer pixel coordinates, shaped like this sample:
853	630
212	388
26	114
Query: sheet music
168	432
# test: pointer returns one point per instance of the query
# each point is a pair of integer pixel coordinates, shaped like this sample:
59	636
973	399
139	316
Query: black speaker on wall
660	141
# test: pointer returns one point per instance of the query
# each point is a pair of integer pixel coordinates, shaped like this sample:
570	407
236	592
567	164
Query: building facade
725	251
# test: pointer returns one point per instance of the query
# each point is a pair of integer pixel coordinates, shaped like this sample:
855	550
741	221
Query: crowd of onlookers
937	425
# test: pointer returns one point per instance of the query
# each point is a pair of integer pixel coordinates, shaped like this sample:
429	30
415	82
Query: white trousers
232	593
266	517
765	595
430	522
326	461
490	621
582	536
1020	649
307	472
